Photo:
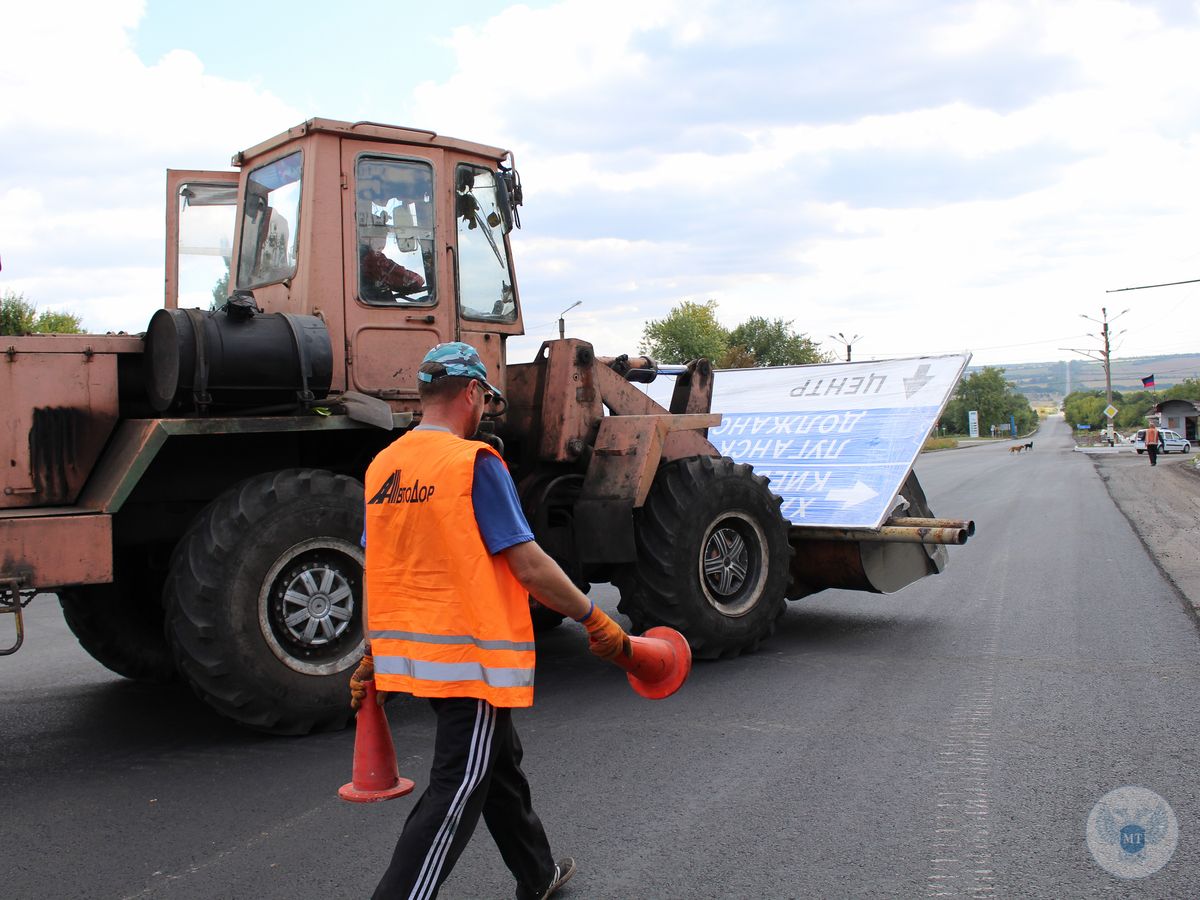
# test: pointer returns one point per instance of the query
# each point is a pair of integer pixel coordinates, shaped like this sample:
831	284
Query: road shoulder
1162	503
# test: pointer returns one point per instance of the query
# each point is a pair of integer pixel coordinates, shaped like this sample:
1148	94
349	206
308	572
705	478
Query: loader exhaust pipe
904	530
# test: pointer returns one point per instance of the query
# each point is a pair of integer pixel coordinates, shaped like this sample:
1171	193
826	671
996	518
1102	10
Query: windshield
485	282
270	223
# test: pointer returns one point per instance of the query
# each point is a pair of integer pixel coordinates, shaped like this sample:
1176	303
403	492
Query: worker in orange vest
1152	442
451	562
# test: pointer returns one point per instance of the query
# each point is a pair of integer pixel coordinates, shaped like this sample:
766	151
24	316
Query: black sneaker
562	874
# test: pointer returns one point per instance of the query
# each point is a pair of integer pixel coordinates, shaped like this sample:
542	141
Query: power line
1142	287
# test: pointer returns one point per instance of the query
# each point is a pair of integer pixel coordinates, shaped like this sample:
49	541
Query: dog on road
1029	446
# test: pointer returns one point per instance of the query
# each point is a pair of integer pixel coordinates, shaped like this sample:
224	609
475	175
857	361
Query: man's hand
364	673
606	638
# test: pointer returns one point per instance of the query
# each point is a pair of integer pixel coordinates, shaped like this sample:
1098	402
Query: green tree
18	316
1188	389
1085	408
690	331
220	291
770	342
994	398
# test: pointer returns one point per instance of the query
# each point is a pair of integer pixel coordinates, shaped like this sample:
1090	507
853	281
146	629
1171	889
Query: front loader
193	494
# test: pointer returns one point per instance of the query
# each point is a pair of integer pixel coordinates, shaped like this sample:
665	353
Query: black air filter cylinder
195	358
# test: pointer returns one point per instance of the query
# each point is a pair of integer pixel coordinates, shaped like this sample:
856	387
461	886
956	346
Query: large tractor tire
121	624
264	601
713	557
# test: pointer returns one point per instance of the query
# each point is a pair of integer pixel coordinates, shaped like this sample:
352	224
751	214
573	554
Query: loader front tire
264	601
713	557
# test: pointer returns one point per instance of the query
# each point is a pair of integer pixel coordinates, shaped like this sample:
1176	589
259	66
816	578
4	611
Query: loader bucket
881	560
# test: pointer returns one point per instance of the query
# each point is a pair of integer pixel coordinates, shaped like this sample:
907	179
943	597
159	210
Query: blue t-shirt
498	513
497	508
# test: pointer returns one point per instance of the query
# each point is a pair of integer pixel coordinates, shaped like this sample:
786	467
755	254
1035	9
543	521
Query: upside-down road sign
836	440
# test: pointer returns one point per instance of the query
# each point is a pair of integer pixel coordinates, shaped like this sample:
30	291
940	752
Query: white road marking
961	866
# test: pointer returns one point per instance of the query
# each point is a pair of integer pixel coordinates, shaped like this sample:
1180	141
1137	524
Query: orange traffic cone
375	774
660	662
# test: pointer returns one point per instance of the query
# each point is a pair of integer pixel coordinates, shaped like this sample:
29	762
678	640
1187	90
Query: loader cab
397	239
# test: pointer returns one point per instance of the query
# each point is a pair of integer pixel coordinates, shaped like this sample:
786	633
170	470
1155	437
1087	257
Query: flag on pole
1148	382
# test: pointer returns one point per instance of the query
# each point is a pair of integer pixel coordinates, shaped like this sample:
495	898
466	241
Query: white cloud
91	130
1085	180
933	177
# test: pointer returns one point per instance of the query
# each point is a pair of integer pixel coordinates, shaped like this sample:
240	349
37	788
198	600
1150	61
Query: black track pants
476	769
1153	452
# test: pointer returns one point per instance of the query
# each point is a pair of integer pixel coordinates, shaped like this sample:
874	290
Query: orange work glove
606	638
364	673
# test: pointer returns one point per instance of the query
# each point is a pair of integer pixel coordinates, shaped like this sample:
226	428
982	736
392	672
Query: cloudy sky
932	176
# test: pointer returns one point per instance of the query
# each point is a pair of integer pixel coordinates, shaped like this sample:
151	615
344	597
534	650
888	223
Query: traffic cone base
375	774
661	662
354	795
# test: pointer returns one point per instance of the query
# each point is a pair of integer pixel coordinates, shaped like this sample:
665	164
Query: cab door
399	285
201	220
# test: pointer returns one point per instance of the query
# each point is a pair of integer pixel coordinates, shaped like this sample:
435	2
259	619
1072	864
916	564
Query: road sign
1110	410
973	423
836	440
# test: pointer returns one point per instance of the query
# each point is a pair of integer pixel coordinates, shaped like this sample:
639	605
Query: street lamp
562	323
842	339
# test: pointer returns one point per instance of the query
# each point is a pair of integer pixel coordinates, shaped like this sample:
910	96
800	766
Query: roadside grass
939	443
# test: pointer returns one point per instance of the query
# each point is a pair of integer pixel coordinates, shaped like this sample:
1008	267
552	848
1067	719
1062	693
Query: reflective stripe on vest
435	671
451	639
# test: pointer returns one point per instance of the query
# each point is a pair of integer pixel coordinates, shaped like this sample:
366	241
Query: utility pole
849	342
1105	357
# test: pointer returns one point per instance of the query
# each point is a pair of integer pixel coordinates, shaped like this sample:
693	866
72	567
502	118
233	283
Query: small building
1178	415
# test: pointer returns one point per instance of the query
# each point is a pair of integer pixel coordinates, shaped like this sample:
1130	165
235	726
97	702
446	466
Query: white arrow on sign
919	379
852	496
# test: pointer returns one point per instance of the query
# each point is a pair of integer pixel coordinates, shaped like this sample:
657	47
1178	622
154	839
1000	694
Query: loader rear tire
264	601
121	624
713	557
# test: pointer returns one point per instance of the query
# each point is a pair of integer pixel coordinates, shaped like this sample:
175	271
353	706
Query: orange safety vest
445	617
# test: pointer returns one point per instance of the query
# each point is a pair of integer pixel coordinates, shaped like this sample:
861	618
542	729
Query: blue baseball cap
457	358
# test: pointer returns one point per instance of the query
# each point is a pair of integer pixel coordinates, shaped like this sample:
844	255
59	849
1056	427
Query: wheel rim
732	562
309	610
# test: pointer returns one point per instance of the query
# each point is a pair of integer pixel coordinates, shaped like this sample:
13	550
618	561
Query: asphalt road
949	740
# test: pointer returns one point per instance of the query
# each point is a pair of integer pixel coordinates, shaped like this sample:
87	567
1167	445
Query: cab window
484	280
207	219
271	223
394	231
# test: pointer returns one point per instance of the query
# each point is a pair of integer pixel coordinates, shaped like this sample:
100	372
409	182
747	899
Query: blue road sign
836	440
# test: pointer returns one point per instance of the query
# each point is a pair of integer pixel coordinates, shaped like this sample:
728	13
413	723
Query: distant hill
1051	381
